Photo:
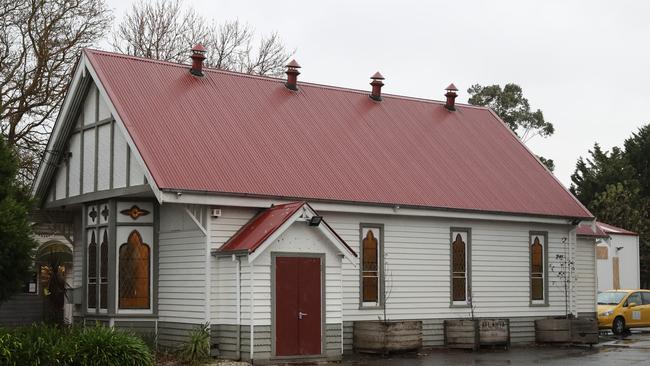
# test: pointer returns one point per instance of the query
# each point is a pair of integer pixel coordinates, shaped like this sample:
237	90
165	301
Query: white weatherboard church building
281	212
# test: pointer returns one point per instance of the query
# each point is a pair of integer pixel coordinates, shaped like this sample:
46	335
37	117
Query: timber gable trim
83	79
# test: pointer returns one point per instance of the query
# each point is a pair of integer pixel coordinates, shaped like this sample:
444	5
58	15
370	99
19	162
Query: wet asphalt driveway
632	350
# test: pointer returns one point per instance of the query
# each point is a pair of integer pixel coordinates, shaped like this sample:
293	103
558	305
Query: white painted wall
417	258
182	275
586	275
626	247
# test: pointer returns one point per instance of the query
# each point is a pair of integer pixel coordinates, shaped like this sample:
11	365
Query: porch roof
261	227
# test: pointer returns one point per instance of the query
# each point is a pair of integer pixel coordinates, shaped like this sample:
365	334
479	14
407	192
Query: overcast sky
585	64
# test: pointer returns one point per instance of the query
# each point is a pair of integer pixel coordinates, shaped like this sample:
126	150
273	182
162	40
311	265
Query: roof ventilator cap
451	97
198	56
292	75
376	86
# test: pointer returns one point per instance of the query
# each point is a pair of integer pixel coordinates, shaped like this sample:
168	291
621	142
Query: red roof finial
198	56
292	75
451	97
376	86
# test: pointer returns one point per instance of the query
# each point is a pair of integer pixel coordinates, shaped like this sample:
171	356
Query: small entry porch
295	259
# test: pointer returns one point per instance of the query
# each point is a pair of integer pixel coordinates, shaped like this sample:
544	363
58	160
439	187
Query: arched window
371	276
537	268
103	272
92	271
459	269
134	273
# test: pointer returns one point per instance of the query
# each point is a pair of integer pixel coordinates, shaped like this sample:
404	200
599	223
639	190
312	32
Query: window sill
371	307
459	306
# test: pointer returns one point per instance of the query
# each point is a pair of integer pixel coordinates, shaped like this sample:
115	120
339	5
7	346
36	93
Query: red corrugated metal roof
242	134
611	229
260	227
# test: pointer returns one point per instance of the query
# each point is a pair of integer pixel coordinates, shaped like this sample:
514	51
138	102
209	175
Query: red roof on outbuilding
241	134
611	229
603	230
588	231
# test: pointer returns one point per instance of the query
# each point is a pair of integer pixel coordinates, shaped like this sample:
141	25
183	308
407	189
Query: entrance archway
53	263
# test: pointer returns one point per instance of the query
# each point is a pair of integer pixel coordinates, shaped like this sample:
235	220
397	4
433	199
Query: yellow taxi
620	310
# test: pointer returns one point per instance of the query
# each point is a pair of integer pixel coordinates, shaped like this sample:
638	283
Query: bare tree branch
164	30
40	41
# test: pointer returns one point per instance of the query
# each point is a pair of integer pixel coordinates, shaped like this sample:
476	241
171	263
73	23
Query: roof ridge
276	79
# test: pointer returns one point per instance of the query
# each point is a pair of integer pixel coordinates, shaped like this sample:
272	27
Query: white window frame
118	245
465	234
99	269
88	229
378	230
543	240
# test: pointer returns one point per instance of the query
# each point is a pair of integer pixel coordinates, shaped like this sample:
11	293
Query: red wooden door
297	306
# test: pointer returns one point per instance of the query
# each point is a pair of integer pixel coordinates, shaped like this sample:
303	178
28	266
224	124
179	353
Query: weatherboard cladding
241	134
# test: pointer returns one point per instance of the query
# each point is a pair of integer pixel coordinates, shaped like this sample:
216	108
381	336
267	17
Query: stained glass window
371	268
459	269
92	271
134	273
536	269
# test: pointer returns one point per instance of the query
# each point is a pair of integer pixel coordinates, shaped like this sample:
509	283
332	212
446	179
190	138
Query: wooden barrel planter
580	330
494	332
387	337
553	330
584	331
462	333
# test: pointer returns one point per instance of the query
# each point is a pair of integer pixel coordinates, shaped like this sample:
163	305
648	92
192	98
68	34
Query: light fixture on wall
315	220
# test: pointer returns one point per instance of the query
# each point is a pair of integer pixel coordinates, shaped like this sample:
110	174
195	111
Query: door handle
301	314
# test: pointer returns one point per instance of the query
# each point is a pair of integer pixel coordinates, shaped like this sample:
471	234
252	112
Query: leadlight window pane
537	285
134	273
370	267
92	270
459	269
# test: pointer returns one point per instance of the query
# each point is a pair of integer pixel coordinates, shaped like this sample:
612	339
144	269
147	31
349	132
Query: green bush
41	344
98	346
10	346
51	346
197	348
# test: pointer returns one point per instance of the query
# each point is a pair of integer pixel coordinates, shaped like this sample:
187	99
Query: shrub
99	346
41	344
197	348
51	346
10	346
